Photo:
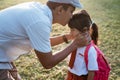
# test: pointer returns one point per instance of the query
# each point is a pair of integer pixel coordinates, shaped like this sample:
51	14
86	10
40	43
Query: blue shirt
24	27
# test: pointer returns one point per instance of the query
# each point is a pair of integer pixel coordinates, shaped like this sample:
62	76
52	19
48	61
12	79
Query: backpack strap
86	54
72	59
99	52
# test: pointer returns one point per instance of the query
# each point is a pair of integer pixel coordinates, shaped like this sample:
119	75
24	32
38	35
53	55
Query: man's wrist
65	39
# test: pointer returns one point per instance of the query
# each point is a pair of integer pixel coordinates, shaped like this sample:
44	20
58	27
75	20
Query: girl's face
74	32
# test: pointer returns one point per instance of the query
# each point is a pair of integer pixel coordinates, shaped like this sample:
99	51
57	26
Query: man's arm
49	60
59	39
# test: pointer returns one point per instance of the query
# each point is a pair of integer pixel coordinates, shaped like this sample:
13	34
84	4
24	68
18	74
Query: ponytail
94	34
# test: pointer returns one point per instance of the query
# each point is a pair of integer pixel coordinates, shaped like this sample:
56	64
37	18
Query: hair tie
91	24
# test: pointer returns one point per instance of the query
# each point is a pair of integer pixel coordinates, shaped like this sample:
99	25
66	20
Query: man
27	26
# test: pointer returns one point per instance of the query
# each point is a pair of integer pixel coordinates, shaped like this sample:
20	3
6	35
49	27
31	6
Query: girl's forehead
81	30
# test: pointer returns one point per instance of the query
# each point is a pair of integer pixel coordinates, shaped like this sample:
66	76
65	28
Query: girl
81	23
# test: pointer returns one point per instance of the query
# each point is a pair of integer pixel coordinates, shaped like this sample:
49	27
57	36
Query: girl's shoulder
92	51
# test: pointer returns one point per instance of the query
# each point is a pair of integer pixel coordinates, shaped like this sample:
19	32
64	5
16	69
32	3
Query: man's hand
82	39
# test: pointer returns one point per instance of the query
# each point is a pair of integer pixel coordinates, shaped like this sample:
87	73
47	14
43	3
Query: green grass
105	14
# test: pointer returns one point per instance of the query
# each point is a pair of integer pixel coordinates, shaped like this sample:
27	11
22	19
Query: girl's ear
91	31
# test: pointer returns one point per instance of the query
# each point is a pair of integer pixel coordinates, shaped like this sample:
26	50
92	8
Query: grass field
105	13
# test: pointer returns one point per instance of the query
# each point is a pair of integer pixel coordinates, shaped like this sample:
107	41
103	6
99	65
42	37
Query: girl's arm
90	75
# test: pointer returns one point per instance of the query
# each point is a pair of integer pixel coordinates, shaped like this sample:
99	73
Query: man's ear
59	9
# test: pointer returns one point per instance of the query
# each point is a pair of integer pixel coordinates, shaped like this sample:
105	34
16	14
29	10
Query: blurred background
105	13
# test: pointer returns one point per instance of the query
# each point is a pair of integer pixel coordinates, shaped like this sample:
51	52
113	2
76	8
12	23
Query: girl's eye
85	30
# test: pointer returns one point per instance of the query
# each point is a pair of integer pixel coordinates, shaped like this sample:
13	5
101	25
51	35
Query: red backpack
103	66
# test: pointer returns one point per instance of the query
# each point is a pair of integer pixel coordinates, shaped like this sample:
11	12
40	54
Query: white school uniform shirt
22	28
79	67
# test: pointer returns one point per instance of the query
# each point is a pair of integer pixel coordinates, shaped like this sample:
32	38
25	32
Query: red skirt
72	76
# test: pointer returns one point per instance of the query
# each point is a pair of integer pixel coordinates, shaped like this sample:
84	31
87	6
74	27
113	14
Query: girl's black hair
94	34
81	20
